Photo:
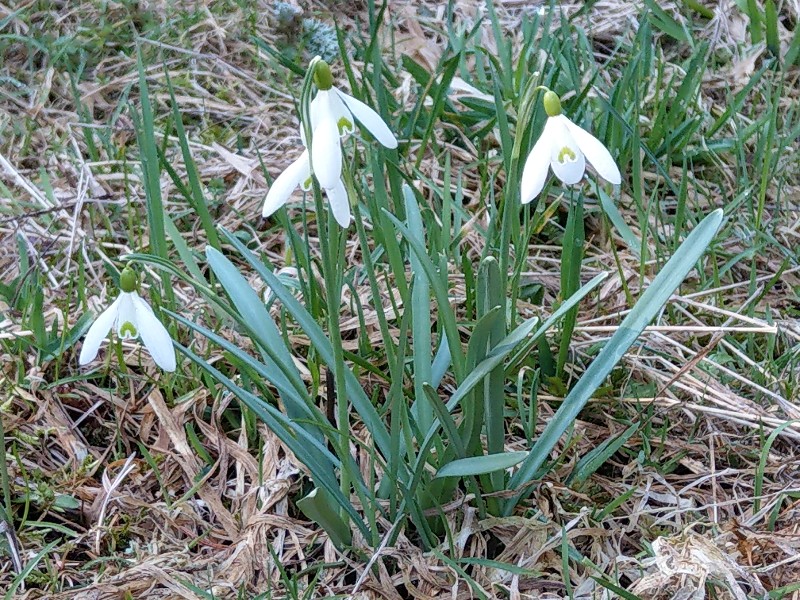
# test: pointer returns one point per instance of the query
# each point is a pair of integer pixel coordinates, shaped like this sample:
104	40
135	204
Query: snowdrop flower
333	114
564	147
132	317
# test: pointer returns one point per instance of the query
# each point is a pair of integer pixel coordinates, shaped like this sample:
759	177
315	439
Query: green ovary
552	103
128	282
128	330
322	75
565	154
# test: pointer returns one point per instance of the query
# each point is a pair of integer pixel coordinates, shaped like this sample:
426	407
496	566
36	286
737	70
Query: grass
146	134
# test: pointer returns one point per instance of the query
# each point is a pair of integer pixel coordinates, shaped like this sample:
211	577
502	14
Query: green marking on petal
306	185
565	154
128	330
345	125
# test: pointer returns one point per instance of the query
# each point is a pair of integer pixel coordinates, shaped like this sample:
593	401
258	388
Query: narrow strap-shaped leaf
256	317
480	465
618	221
196	196
491	293
494	358
597	457
315	456
447	421
442	298
645	310
571	263
474	378
525	348
420	316
322	344
472	406
441	363
268	372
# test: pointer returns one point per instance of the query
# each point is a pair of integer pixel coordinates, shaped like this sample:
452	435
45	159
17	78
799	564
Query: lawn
430	357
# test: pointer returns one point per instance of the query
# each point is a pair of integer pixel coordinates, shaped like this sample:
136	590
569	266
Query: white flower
333	114
564	147
132	317
333	105
298	174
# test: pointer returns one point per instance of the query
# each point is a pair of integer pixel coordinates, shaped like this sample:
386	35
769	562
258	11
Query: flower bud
323	78
128	282
552	103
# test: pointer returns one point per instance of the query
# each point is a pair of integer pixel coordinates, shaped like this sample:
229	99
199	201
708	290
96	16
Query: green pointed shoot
490	295
420	316
481	465
754	14
645	310
771	24
319	507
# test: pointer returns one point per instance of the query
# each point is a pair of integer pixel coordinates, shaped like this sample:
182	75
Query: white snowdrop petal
534	174
98	332
154	335
327	104
316	108
339	203
370	119
566	158
596	153
326	153
296	174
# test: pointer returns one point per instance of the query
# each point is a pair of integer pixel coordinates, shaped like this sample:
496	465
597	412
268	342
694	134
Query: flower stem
511	201
331	242
331	247
4	480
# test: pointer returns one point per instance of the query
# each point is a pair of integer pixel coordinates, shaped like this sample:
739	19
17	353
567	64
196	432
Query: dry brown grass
226	529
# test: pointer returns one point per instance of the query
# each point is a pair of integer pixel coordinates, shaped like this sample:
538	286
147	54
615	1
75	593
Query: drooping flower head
333	114
131	317
564	147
